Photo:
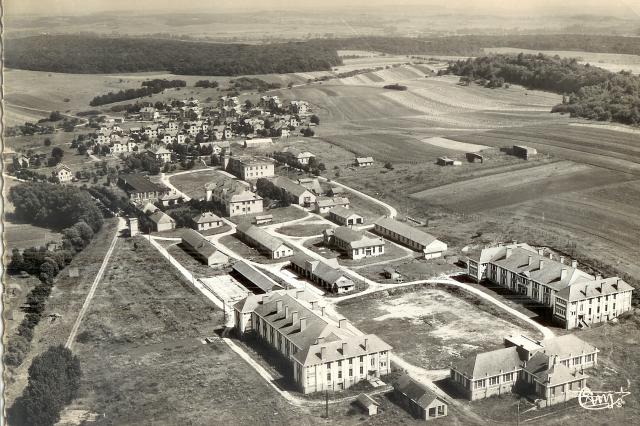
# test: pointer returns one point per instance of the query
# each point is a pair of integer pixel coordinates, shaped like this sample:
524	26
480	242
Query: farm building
298	193
206	220
62	172
140	189
355	244
524	152
367	404
329	277
253	279
335	191
391	273
270	246
345	217
249	168
411	237
301	157
474	157
235	197
324	204
201	248
446	161
162	221
420	401
323	352
263	219
170	199
363	161
581	299
549	371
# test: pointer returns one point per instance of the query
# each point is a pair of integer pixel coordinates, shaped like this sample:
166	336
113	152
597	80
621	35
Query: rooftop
415	390
198	242
259	235
407	231
256	277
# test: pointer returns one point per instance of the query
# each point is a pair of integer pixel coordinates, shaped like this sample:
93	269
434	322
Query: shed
524	151
392	273
368	404
446	161
474	157
263	219
418	399
253	279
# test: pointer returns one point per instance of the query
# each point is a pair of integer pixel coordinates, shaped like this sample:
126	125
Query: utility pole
518	419
326	398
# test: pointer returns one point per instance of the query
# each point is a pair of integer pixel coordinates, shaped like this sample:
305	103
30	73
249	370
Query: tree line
590	92
148	88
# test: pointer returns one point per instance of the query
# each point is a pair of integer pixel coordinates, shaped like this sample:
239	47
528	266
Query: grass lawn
193	184
444	325
303	229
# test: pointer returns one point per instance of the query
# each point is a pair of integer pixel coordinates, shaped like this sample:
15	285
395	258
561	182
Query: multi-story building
236	198
325	352
411	237
297	193
249	168
550	370
355	244
582	298
62	172
140	189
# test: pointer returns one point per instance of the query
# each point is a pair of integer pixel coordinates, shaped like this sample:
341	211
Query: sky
627	8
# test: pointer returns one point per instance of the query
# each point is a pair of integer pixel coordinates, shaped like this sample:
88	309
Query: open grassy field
193	184
443	326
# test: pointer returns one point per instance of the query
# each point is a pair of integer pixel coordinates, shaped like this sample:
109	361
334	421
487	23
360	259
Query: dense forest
590	92
149	87
89	54
95	54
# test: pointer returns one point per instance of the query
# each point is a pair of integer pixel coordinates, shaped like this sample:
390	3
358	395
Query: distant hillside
92	54
95	54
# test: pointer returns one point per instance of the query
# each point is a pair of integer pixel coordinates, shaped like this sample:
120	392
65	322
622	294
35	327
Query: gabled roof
290	186
140	183
161	217
343	212
366	401
332	201
567	345
354	238
487	364
339	349
364	160
414	390
198	242
407	231
256	277
260	236
588	289
61	167
549	372
206	217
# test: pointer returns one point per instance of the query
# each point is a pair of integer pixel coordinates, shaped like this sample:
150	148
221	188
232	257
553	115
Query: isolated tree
57	153
47	142
315	119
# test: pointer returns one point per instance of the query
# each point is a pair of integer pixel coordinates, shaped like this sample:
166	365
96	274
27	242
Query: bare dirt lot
442	326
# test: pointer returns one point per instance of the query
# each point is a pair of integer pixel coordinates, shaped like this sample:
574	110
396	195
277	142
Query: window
361	370
351	372
494	380
507	377
329	376
339	374
373	361
479	384
339	363
350	361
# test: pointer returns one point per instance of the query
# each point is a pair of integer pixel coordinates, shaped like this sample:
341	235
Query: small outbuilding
202	249
364	161
345	217
418	400
162	221
206	220
263	219
392	274
523	152
446	161
368	404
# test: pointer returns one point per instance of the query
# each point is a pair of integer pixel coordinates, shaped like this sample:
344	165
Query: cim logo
601	400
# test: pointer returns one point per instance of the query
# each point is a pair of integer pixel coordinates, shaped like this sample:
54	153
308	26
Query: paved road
84	120
392	211
94	285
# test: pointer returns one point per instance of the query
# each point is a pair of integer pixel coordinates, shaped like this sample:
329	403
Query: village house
345	217
160	154
296	192
354	244
249	168
299	107
236	198
329	277
122	147
140	189
62	172
181	138
202	249
364	161
149	114
420	401
20	162
312	184
171	199
583	299
162	221
324	204
298	156
323	352
205	221
411	237
550	371
270	246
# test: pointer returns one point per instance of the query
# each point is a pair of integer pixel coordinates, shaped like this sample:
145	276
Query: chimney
574	263
323	352
319	340
278	306
342	323
551	256
563	274
554	360
299	293
313	304
530	260
286	312
294	317
344	347
541	264
616	283
598	277
303	324
561	259
208	194
514	242
321	311
265	298
541	251
366	344
508	253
